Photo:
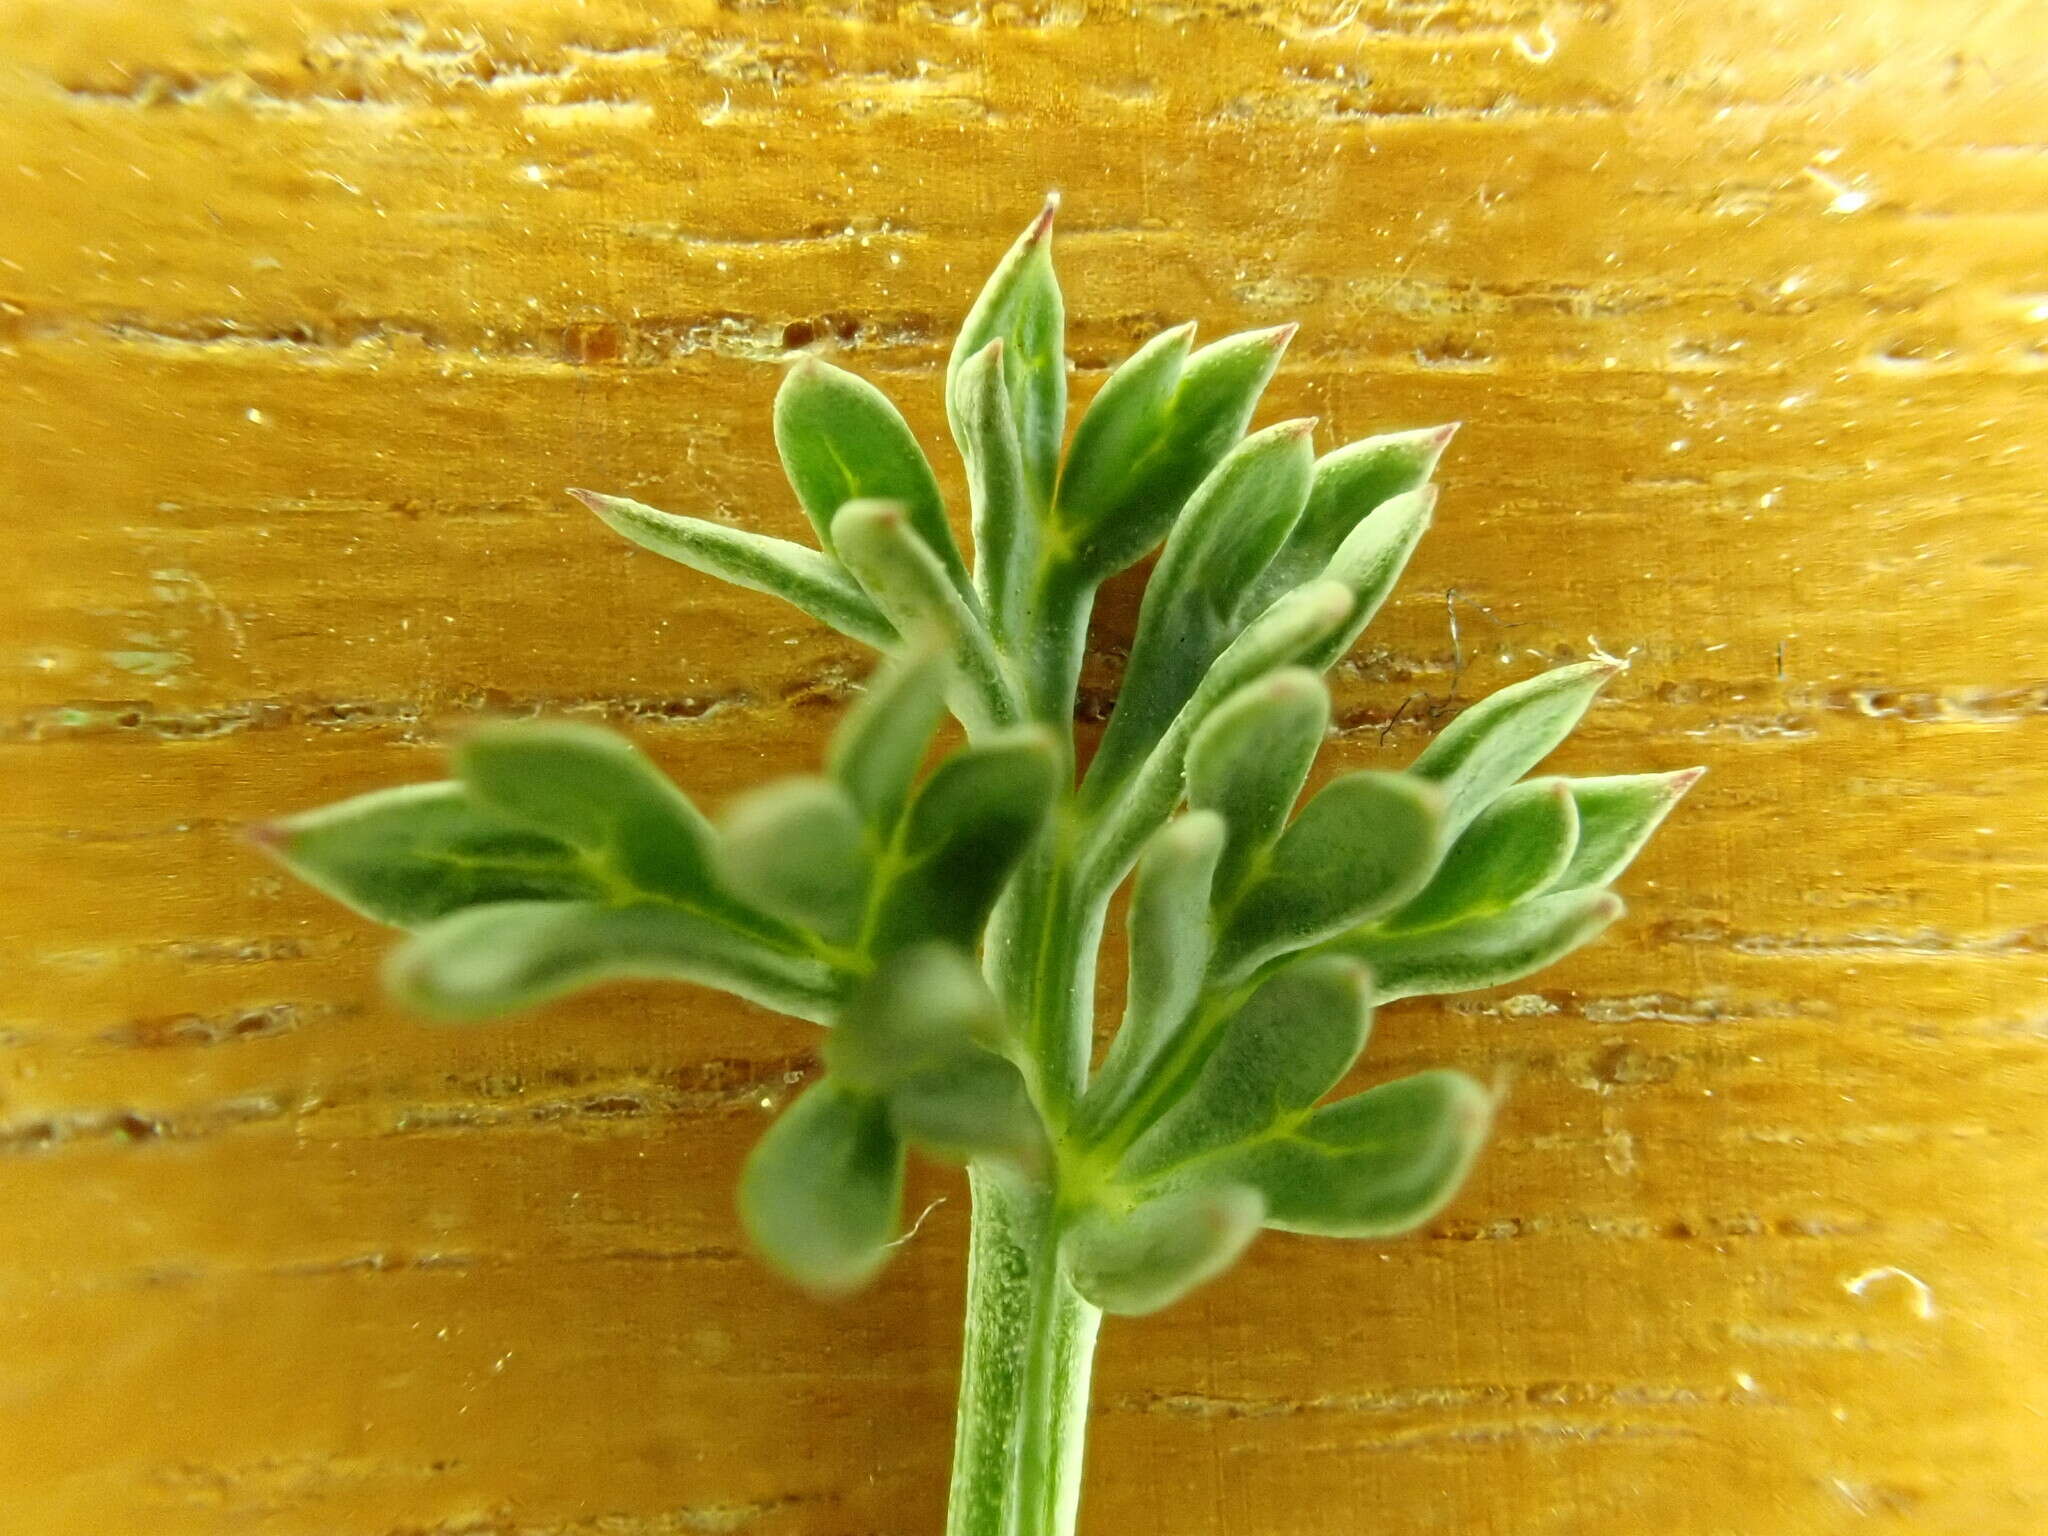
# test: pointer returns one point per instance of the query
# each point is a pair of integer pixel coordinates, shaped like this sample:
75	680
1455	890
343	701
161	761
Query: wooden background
309	310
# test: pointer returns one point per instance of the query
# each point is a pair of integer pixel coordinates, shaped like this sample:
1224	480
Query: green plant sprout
946	923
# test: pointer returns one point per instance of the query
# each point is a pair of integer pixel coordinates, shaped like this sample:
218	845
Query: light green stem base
1030	1346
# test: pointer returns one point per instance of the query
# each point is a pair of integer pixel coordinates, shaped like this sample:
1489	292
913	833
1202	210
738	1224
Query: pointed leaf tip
1042	225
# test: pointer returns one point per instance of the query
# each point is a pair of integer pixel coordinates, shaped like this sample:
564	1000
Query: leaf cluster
922	913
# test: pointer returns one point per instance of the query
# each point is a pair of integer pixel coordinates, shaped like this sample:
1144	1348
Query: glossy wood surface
309	311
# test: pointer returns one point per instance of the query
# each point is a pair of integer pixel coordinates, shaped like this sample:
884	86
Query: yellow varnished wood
308	313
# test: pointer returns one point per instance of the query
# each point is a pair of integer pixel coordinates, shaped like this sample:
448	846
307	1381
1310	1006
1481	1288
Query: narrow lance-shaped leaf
1006	517
907	584
498	959
1484	952
1516	847
797	848
1170	940
1492	744
1351	484
965	830
878	749
1021	307
822	1192
1139	1260
1249	761
1372	1165
813	582
1160	425
843	441
1365	844
922	1036
410	855
1616	817
1199	597
1265	1067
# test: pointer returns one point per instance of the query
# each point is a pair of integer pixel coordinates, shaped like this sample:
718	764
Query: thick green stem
1029	1348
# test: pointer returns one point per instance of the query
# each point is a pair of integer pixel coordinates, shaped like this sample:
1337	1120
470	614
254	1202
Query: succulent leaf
490	960
1362	846
1517	846
813	582
1147	1257
1141	451
797	848
1367	564
1372	1165
1616	817
921	1035
1295	624
1267	1065
596	791
822	1193
1249	761
1350	486
879	747
1170	941
410	855
1202	592
1484	952
1006	516
911	588
968	825
842	441
1021	308
1492	744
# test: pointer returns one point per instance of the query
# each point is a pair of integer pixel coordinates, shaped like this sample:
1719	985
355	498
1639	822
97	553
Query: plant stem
1029	1348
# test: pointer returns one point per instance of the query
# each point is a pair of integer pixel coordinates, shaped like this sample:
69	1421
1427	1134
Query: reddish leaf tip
1042	225
267	835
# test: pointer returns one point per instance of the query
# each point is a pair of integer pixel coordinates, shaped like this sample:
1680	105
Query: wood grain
308	312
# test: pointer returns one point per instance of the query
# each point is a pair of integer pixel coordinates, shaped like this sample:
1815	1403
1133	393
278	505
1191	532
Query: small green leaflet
966	828
1267	1065
821	1194
1021	307
1249	761
1364	844
1372	1165
1616	817
1170	940
486	961
797	848
410	855
842	441
1484	952
922	1036
881	744
1492	744
1139	1260
1517	846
